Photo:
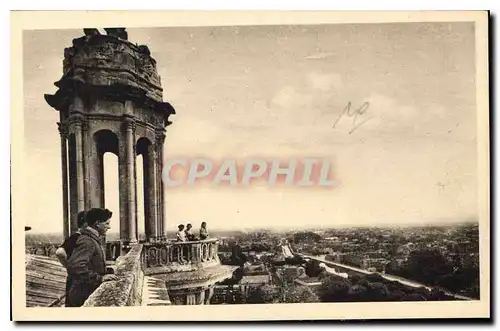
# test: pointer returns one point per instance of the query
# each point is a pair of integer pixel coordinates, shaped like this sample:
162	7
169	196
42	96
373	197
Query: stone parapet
127	290
155	292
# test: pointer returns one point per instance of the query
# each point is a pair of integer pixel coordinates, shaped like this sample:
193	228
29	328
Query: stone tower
110	100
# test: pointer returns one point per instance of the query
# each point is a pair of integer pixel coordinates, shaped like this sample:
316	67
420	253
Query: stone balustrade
127	290
161	273
165	257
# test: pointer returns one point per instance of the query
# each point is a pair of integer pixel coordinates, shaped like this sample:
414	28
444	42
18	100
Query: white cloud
319	56
324	82
388	111
285	97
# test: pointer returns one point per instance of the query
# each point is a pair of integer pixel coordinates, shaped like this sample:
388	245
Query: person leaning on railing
188	234
181	235
203	231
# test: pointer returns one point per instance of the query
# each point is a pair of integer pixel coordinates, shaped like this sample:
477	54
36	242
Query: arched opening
141	228
111	191
145	193
106	188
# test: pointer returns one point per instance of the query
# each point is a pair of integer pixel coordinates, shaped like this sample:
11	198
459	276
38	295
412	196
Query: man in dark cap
87	265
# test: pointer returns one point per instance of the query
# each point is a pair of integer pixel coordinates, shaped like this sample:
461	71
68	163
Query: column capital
160	136
153	153
129	122
76	119
63	129
85	124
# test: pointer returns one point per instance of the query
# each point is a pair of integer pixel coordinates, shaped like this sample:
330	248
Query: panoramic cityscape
422	263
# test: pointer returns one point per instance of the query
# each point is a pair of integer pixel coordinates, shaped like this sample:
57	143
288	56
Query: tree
334	289
377	292
393	268
357	293
300	294
355	279
427	266
313	269
295	260
306	236
262	294
374	277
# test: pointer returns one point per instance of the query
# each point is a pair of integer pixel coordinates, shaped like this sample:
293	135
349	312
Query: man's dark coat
86	267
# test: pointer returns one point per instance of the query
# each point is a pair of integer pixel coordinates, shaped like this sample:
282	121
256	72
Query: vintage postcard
240	166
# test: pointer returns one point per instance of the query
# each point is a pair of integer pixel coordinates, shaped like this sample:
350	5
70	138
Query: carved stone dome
111	66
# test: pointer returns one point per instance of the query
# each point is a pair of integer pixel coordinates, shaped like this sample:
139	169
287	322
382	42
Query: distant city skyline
279	91
282	229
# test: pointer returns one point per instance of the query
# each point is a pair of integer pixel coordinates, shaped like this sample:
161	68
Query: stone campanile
110	100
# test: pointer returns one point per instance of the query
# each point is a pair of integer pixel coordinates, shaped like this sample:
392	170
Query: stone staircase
154	292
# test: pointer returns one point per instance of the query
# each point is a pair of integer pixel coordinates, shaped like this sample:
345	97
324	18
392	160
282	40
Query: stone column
130	178
64	167
160	139
209	295
136	216
95	173
80	184
131	167
152	193
201	298
87	146
122	188
190	299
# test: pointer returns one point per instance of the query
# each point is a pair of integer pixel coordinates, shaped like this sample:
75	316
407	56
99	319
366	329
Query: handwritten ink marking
354	113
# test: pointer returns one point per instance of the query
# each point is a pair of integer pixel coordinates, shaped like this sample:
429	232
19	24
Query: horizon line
320	227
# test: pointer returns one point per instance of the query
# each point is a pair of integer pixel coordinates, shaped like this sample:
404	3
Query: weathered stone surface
199	278
107	60
127	290
45	281
155	292
109	67
112	294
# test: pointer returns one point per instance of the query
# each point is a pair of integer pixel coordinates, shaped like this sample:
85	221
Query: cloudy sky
277	91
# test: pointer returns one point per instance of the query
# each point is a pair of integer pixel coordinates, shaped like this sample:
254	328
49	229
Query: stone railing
127	290
164	257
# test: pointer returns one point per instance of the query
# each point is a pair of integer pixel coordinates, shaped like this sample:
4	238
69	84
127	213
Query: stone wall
127	290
